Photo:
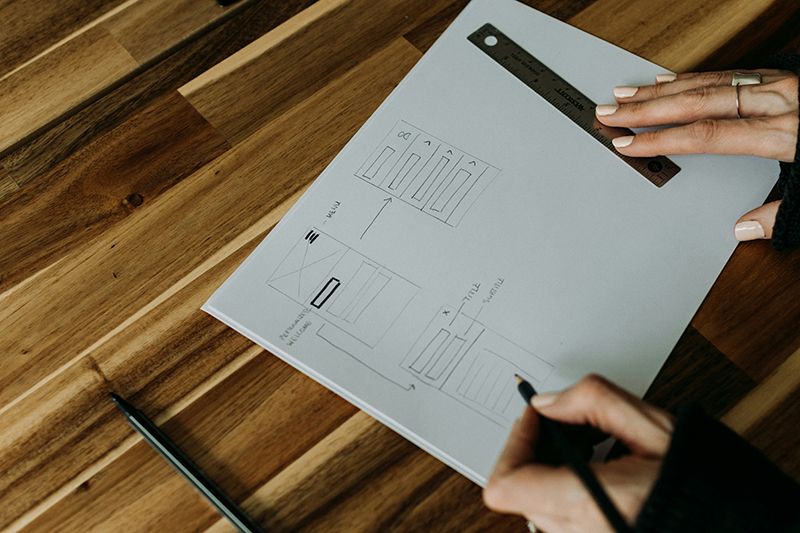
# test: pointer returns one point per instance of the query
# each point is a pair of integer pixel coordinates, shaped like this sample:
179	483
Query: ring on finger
740	78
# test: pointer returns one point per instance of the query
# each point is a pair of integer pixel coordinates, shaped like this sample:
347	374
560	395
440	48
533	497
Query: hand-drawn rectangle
376	165
326	292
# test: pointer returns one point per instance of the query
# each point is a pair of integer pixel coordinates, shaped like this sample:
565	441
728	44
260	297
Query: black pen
570	455
186	468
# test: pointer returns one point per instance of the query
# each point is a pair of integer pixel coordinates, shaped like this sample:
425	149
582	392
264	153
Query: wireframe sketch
475	365
352	292
427	173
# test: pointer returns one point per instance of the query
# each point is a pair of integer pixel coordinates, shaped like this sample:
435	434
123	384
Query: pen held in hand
553	430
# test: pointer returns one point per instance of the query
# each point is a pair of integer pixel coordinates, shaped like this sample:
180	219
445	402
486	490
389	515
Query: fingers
772	138
685	82
521	443
758	223
710	109
702	103
645	429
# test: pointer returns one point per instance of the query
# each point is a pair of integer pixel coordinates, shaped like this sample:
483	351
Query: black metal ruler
567	99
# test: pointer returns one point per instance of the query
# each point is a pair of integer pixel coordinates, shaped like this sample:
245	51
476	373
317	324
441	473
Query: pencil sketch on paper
475	365
435	177
352	292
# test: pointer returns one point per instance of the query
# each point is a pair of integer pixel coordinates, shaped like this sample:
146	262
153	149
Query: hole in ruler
490	40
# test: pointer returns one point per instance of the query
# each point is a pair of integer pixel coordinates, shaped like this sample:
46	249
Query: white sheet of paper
469	232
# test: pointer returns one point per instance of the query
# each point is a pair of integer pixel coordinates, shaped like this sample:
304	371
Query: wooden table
147	146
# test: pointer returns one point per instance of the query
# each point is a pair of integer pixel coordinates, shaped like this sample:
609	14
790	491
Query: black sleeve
786	232
713	480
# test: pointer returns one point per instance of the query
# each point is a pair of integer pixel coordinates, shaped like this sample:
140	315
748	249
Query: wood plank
151	28
29	32
317	49
102	184
98	58
61	141
685	35
746	314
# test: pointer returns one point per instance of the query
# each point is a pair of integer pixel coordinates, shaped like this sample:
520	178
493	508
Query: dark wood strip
102	184
697	372
424	35
746	315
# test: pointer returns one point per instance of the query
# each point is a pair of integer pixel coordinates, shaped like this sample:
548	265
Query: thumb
758	223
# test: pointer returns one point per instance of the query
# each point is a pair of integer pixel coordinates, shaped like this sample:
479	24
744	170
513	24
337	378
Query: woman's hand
706	106
553	498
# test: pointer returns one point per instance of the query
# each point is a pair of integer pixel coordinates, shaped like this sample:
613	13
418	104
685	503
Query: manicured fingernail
604	110
622	142
748	231
666	78
625	92
543	400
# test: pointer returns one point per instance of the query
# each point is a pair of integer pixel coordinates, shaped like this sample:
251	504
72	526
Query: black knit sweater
786	232
712	480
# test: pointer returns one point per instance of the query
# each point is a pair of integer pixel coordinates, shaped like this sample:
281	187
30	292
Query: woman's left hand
705	106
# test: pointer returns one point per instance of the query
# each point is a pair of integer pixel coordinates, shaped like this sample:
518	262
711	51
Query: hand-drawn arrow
386	202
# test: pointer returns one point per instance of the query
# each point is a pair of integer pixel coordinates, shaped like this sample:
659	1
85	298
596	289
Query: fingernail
666	78
604	110
622	142
748	231
543	400
625	92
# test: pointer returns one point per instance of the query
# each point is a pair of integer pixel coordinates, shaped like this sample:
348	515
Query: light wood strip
94	54
31	33
149	28
297	58
677	34
769	394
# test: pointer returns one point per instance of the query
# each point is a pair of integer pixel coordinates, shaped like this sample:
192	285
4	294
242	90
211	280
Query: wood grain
113	177
95	54
96	119
29	31
296	59
7	184
150	28
680	34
